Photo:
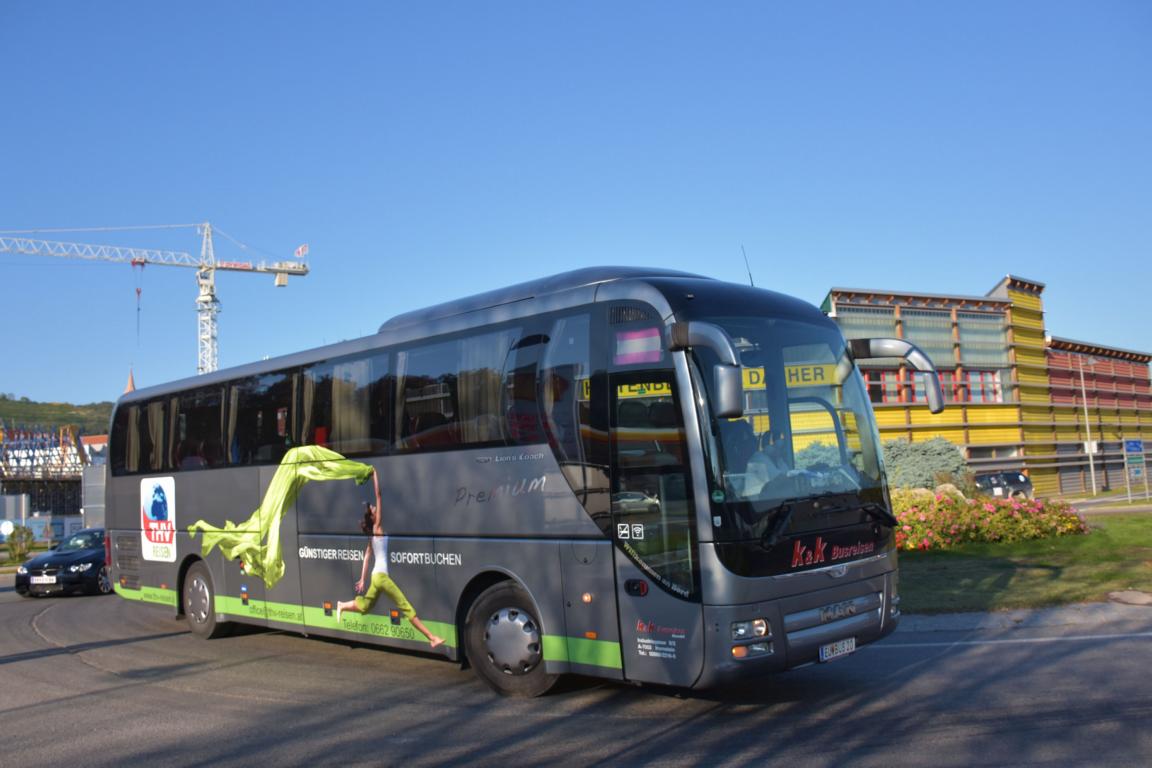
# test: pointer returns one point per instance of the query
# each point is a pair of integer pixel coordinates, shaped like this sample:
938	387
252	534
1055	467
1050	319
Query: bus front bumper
747	641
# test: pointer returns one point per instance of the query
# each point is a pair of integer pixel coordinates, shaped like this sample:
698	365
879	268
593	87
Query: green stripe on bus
576	650
580	650
370	624
148	595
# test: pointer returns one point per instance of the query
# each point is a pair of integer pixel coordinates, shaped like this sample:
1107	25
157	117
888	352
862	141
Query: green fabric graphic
299	466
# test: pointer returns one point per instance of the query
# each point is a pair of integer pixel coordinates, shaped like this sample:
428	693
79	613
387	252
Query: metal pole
1127	469
1087	426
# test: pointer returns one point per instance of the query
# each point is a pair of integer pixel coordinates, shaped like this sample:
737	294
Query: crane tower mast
206	266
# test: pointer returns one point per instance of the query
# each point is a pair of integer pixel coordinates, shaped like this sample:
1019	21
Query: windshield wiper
781	516
879	513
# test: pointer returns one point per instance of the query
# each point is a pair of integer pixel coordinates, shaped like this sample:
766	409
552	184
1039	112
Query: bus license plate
837	649
43	579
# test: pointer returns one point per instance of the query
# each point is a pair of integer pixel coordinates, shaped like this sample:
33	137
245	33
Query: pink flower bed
942	521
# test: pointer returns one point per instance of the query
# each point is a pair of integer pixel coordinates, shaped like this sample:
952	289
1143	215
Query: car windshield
807	430
82	540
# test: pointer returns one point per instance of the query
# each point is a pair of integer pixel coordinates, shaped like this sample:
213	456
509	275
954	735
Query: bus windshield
807	432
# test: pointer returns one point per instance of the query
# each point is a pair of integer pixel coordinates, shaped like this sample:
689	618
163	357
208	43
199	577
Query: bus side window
138	436
340	399
197	417
522	423
449	393
261	420
426	407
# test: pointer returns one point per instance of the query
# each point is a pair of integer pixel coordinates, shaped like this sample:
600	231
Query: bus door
657	575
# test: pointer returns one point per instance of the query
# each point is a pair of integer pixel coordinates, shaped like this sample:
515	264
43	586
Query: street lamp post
1087	424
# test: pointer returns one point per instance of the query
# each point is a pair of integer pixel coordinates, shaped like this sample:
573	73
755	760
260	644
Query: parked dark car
1008	485
74	565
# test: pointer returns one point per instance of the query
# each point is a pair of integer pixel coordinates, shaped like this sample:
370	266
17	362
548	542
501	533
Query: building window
932	332
983	340
984	387
883	385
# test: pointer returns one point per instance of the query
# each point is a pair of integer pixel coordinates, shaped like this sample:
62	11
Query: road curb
1131	610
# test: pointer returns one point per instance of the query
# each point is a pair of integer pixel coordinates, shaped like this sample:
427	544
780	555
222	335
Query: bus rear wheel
504	642
199	603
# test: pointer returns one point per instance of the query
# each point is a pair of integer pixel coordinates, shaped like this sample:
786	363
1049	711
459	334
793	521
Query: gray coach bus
628	473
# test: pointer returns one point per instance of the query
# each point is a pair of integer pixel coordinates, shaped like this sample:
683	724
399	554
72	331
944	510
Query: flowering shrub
943	520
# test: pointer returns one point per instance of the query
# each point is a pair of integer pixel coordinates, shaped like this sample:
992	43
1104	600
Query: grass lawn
1116	555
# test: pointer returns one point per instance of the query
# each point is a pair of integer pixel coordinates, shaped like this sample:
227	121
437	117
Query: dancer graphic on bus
380	581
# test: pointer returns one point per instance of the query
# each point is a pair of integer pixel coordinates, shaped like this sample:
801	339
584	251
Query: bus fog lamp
750	650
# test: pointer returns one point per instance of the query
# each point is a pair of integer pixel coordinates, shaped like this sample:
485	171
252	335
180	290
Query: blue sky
427	151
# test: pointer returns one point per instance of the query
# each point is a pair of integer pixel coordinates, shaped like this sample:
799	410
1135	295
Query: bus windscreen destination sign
812	375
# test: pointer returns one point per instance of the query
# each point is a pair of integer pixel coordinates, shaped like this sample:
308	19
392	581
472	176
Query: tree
20	543
923	464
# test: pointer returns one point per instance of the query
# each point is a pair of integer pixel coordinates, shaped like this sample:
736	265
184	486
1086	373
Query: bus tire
199	603
504	643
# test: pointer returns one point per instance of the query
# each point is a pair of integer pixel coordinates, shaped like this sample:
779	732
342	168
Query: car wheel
504	642
199	603
104	581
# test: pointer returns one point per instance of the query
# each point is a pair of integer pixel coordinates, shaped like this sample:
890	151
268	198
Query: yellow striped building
1016	399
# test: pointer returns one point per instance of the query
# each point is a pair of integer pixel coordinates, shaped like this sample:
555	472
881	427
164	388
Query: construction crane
206	266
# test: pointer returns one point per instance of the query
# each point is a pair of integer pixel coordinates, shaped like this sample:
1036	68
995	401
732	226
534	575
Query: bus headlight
746	630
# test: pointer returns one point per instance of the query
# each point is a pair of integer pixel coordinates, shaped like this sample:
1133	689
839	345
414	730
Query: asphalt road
98	681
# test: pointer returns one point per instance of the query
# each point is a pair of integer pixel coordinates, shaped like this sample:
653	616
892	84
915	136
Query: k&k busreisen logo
158	518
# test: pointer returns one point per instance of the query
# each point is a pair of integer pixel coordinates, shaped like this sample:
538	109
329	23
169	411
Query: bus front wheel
504	642
200	603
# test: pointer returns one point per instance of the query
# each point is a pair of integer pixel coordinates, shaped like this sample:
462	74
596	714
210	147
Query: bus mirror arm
868	348
728	397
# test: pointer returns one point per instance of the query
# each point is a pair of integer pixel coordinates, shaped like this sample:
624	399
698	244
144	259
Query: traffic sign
1133	446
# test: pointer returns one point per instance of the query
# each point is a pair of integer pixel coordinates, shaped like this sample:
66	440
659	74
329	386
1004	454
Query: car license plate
43	580
837	649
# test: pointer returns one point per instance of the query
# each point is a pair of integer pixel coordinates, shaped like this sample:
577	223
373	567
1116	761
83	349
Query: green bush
941	521
817	454
923	464
20	543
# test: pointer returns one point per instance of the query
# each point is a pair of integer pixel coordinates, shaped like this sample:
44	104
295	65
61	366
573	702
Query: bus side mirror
728	397
868	348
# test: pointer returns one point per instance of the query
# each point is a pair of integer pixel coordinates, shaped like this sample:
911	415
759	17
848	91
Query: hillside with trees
22	413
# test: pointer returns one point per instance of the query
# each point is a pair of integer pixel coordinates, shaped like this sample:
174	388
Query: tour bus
629	473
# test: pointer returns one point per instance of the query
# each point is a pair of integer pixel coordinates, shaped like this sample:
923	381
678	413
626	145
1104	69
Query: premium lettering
467	497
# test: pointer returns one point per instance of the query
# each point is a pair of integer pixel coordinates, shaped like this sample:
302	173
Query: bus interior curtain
308	394
350	407
156	433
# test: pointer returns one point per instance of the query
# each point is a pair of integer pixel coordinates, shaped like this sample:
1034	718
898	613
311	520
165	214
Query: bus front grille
817	626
